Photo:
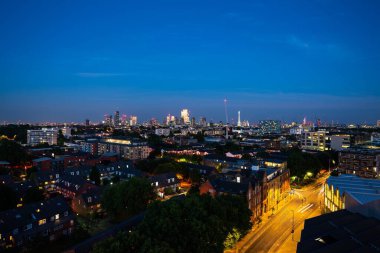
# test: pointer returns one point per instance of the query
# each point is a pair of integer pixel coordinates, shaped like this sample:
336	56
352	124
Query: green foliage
18	131
95	175
232	238
167	167
33	194
12	152
195	176
128	198
8	198
299	163
194	224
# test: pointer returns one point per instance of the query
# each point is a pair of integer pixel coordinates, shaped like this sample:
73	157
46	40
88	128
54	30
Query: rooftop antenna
225	110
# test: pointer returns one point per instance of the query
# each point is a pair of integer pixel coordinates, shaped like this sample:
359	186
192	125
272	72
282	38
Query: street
275	234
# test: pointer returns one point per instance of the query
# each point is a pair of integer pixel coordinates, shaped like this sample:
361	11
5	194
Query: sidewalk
246	242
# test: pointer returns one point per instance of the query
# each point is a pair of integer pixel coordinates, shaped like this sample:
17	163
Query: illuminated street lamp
309	174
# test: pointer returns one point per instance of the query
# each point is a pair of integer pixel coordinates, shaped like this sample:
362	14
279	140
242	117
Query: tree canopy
12	152
128	198
194	224
8	197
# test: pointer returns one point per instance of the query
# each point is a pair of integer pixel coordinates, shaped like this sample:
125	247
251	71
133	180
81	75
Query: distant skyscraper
193	121
378	123
203	122
170	120
185	116
245	123
87	122
238	123
108	120
133	120
124	119
117	119
153	122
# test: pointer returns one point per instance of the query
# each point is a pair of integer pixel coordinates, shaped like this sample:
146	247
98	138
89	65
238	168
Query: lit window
57	216
41	222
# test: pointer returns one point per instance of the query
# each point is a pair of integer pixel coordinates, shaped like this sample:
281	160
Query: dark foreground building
340	231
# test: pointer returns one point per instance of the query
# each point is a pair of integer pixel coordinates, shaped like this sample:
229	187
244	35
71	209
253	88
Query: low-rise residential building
87	202
164	182
48	219
364	163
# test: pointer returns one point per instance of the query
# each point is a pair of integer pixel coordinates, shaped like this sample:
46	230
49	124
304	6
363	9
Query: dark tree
194	224
12	152
95	175
128	198
60	138
33	194
8	198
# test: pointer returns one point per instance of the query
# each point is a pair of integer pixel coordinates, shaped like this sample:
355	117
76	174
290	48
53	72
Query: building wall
315	141
340	142
45	135
359	163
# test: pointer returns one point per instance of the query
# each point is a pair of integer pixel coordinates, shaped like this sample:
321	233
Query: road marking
310	206
304	208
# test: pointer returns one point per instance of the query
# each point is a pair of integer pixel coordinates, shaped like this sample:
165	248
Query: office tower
193	121
133	120
238	123
108	120
87	122
170	119
45	135
123	119
378	123
185	116
203	122
153	122
245	123
117	119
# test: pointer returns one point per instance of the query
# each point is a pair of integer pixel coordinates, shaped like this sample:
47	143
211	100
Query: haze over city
71	60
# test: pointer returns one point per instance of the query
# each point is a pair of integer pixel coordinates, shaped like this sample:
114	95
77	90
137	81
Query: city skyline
69	61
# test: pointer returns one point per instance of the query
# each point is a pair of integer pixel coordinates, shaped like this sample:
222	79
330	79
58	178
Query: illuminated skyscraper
238	123
124	119
133	120
185	116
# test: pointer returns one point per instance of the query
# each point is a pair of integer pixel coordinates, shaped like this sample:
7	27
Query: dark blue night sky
67	60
